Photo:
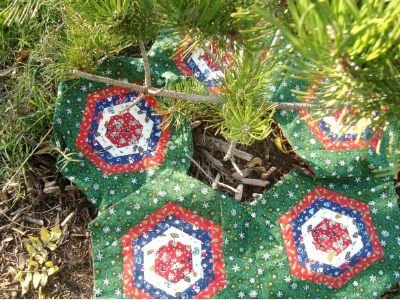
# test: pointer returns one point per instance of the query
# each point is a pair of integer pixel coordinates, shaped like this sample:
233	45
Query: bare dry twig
208	176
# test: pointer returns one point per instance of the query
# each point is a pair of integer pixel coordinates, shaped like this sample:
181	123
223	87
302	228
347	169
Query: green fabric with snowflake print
164	234
254	253
138	222
104	188
271	254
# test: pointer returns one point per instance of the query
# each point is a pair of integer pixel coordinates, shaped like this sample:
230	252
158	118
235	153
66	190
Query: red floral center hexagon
329	238
329	130
124	130
174	261
173	253
118	135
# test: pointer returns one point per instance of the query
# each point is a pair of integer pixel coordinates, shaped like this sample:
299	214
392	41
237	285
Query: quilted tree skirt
333	232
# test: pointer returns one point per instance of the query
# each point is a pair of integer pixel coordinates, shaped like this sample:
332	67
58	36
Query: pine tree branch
142	89
184	96
147	75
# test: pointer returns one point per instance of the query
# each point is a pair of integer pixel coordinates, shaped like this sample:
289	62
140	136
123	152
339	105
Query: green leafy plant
39	268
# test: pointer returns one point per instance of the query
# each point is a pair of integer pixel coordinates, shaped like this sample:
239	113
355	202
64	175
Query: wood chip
266	150
211	158
229	153
245	173
196	124
4	284
217	144
216	163
4	211
214	185
51	188
270	172
67	219
205	173
239	195
236	167
18	231
256	161
254	182
64	233
17	213
32	221
78	235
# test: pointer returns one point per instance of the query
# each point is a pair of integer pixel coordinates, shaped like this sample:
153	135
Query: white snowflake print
389	204
236	268
97	291
253	294
385	233
99	256
266	256
204	191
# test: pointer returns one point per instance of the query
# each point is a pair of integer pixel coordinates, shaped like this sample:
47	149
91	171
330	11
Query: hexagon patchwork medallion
329	238
329	129
119	135
173	253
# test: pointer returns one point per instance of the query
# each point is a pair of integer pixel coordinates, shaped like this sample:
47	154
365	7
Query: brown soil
74	254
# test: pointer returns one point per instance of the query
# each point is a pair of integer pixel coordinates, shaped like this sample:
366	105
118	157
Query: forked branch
183	96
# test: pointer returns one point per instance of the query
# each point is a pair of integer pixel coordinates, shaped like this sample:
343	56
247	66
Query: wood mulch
52	200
